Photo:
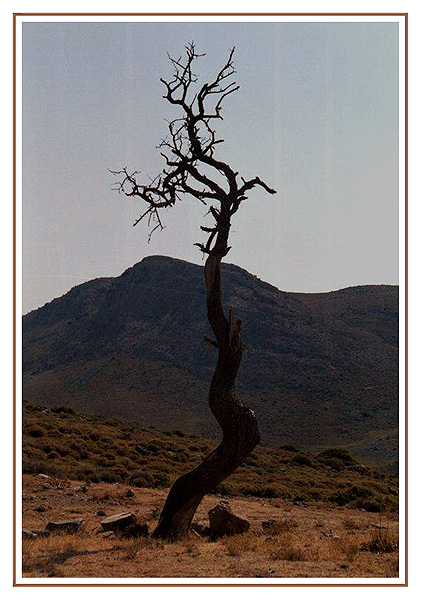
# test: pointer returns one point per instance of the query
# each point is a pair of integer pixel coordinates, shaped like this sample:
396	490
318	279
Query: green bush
369	504
141	479
338	453
355	493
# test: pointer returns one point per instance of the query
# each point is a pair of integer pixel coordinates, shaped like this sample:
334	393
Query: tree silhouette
193	169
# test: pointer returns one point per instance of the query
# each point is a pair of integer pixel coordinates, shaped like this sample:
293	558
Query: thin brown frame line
405	583
211	14
14	304
211	585
406	300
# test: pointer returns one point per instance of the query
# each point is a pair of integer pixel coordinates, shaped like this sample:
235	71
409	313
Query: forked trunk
238	423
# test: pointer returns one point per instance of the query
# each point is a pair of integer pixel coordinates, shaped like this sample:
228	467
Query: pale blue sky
316	117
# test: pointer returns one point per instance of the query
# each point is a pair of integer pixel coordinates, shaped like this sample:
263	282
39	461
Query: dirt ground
310	541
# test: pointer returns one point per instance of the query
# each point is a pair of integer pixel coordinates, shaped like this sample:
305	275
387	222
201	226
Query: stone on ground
68	525
224	522
118	522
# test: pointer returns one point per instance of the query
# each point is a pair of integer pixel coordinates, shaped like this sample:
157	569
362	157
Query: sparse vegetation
381	542
91	448
303	540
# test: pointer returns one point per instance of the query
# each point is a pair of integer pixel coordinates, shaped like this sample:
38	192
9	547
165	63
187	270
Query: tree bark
238	423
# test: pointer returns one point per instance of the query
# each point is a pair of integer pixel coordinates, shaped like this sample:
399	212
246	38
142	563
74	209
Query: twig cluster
189	154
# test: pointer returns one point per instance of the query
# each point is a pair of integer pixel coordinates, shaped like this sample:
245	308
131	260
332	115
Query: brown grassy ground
311	541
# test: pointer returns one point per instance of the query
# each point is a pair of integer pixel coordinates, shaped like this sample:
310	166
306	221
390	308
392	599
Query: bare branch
189	154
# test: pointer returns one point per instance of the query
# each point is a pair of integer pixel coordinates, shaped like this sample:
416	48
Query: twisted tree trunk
238	423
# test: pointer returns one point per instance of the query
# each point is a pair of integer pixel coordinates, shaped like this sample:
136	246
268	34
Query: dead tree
189	153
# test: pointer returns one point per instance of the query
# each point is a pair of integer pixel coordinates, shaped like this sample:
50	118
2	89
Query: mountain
319	369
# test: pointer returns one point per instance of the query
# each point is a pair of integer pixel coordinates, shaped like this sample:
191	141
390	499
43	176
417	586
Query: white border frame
402	298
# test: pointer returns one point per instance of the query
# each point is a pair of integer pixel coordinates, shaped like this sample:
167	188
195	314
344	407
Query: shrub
109	476
154	446
369	504
315	494
178	433
339	453
35	431
303	460
63	409
260	491
161	480
141	479
288	448
224	489
335	463
34	467
355	493
53	455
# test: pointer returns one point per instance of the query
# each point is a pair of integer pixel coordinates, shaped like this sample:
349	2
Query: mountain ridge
324	363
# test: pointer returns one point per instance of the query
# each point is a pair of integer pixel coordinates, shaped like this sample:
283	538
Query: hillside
319	515
68	445
319	369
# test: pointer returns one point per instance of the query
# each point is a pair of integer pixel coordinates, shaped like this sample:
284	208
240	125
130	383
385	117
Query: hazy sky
316	117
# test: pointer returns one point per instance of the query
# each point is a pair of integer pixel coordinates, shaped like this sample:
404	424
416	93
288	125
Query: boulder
28	535
68	525
118	522
129	494
224	522
200	528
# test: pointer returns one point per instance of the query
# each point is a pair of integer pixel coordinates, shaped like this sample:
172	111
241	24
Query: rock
81	488
42	533
68	525
40	508
107	534
118	522
155	513
135	530
100	513
43	476
28	535
129	494
200	528
271	526
223	522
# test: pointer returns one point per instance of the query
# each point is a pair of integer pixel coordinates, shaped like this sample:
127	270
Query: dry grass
239	544
382	542
308	541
